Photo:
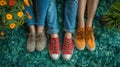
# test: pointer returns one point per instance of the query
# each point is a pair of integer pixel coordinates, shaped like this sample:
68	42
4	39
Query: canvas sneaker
54	48
41	41
89	38
80	38
31	42
67	48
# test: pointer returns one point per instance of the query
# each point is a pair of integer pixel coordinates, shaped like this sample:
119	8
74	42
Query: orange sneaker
89	38
80	38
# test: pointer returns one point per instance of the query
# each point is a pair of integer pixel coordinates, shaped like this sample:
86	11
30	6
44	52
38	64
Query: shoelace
39	37
89	34
67	45
80	35
31	37
54	45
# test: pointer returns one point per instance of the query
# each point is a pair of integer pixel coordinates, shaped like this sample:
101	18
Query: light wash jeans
41	7
71	7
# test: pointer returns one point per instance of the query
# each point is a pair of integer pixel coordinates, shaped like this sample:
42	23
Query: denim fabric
70	16
29	9
41	10
52	23
71	7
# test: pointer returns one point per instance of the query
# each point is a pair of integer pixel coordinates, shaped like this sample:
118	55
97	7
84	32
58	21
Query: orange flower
9	16
26	2
29	16
20	14
3	2
12	25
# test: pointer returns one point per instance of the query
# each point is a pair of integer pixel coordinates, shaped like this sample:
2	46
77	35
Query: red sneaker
67	48
54	48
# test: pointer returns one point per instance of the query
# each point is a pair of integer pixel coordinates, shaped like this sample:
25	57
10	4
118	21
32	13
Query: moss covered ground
13	51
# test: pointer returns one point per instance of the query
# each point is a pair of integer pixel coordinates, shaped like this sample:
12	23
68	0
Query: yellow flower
20	14
3	2
9	17
12	25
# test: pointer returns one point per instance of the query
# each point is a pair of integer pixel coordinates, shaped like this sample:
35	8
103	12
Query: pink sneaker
54	48
67	48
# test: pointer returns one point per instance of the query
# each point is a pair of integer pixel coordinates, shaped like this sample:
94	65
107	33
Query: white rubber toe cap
67	56
55	56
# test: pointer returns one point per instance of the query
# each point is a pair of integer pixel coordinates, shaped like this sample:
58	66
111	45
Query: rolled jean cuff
52	31
30	22
39	24
70	30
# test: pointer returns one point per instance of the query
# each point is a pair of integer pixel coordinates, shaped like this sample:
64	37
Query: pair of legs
36	38
69	27
84	34
41	7
91	9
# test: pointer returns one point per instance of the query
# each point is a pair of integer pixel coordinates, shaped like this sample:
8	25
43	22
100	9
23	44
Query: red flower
11	2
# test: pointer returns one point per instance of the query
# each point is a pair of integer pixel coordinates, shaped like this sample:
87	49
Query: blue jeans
70	16
52	23
41	11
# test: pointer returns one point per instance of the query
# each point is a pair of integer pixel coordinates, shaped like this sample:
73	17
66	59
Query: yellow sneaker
80	38
89	38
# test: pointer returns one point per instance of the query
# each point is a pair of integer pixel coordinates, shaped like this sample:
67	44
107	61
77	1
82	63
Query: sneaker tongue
67	46
88	28
31	34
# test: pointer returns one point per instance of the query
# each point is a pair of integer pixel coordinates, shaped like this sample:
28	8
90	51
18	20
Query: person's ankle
54	35
32	32
81	25
88	24
40	29
68	35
